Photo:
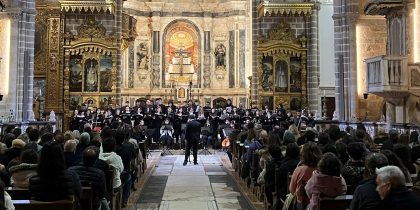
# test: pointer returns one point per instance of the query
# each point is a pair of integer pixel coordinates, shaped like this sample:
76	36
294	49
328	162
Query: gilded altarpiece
90	67
282	68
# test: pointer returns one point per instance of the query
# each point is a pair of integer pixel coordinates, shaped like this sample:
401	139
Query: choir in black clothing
151	118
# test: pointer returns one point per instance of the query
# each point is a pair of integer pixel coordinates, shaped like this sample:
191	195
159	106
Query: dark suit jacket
193	130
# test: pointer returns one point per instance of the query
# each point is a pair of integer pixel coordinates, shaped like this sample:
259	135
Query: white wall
326	44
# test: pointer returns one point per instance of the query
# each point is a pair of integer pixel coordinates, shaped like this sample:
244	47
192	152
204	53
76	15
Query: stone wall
372	40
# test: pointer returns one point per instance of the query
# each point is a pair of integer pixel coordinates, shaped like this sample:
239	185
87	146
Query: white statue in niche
335	116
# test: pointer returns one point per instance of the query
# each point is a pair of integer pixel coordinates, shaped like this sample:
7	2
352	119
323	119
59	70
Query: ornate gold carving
285	9
91	28
54	75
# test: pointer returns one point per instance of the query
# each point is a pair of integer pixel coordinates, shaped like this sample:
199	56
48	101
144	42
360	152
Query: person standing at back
192	135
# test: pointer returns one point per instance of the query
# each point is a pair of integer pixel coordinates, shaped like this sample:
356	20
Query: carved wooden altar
90	67
282	68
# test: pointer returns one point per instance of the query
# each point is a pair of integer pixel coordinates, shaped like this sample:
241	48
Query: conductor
192	135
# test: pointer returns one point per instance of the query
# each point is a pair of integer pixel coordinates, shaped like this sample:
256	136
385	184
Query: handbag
261	177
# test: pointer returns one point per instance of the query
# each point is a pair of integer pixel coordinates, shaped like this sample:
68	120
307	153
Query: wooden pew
18	193
116	197
54	205
86	198
341	202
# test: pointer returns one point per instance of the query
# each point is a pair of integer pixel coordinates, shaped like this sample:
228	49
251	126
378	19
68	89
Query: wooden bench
53	205
341	202
18	193
116	197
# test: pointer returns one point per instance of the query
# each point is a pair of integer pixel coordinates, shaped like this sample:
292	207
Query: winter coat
321	185
20	174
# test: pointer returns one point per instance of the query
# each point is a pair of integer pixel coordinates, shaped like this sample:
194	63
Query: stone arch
193	28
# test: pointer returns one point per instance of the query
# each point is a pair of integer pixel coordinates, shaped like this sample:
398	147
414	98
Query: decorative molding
91	28
88	6
285	9
382	7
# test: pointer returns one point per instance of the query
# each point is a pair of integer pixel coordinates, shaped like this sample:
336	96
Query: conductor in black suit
192	135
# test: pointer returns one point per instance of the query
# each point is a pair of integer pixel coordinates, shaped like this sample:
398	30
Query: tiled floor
206	186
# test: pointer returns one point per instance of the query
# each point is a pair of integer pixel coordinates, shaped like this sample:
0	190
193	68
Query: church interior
292	71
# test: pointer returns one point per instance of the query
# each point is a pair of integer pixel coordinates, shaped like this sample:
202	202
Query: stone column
118	33
313	62
156	60
207	60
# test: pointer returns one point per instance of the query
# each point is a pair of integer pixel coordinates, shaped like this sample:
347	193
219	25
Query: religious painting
267	73
181	93
75	102
295	104
76	73
268	101
91	75
106	73
38	40
181	54
295	75
282	72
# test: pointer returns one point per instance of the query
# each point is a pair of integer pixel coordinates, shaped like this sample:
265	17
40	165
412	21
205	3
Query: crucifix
181	53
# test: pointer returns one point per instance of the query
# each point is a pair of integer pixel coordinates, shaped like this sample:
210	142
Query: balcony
387	76
382	7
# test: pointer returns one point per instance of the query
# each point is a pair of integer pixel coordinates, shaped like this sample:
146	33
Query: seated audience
6	202
365	196
21	173
326	181
394	194
53	182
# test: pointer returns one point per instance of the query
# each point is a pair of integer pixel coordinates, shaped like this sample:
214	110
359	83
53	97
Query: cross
181	53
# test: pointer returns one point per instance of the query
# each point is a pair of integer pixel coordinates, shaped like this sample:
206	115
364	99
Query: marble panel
181	205
188	181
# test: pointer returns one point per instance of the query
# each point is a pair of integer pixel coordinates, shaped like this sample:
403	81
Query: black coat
193	131
91	176
400	198
61	187
365	196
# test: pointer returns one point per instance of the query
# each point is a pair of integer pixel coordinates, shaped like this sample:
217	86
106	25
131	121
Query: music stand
205	151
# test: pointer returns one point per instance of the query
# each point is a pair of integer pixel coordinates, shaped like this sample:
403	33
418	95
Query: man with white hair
391	187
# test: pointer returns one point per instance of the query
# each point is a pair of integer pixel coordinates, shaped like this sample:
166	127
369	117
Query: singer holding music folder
192	135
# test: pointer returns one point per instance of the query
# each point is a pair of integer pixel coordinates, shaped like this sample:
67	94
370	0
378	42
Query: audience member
69	153
53	182
311	154
392	190
21	173
92	176
365	196
354	168
326	181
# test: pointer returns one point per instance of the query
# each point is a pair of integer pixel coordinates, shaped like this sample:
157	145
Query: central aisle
173	186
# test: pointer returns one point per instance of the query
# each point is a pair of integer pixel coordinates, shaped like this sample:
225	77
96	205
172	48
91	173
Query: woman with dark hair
354	168
404	153
394	160
285	167
311	154
326	181
53	181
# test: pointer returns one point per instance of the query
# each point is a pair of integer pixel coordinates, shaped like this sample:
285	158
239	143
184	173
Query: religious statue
281	76
142	58
91	77
220	53
335	116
